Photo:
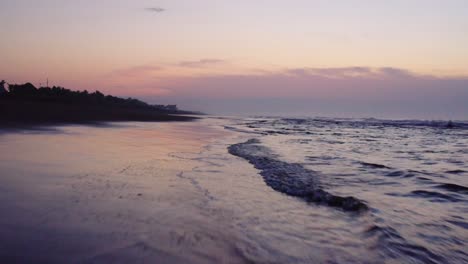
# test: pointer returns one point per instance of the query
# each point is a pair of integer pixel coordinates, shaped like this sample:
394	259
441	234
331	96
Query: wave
291	178
235	129
461	224
453	187
374	165
456	171
396	246
359	122
434	196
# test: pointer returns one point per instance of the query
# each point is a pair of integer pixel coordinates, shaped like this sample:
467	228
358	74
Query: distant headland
25	105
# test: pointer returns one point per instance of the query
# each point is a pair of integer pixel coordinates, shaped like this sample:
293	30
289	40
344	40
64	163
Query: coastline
24	106
30	115
165	192
170	192
125	194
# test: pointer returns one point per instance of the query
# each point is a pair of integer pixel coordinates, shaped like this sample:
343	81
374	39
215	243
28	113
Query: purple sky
394	59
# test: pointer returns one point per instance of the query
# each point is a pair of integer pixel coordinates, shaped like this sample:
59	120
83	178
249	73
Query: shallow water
413	175
171	193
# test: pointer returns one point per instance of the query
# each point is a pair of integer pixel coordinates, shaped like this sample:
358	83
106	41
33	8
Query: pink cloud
136	71
201	63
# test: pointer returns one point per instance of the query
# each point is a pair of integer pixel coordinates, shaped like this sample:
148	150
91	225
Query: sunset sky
399	58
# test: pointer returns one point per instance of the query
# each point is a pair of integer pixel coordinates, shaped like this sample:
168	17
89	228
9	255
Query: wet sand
98	203
157	193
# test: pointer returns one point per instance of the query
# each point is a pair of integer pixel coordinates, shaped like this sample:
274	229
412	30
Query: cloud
155	9
346	90
142	70
352	91
350	72
389	71
342	84
201	63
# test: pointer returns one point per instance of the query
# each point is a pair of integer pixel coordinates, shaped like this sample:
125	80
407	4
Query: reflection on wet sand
171	193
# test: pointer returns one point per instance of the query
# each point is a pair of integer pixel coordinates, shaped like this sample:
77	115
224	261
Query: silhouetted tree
59	94
26	89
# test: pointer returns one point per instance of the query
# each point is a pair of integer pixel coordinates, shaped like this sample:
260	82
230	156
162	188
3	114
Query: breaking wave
291	178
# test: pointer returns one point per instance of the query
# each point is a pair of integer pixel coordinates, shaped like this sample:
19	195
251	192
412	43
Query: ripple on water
409	171
453	187
433	196
394	246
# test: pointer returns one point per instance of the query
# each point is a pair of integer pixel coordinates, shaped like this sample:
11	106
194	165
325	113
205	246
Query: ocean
236	190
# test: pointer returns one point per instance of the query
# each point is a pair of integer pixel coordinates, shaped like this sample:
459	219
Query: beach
122	193
140	192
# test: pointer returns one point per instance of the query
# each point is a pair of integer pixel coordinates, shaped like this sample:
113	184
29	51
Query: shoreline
32	115
124	194
27	106
173	192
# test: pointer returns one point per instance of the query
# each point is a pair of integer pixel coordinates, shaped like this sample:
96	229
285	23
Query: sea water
412	175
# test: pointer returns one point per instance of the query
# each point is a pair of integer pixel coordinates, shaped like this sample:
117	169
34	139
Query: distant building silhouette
170	108
2	87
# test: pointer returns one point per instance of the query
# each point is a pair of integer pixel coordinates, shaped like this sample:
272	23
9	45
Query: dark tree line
56	94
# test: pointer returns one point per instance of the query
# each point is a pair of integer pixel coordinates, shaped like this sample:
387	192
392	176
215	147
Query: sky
356	58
